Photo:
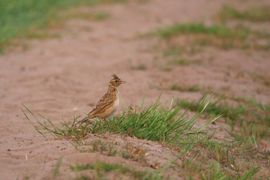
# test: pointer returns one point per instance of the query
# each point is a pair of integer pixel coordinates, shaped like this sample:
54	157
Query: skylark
109	103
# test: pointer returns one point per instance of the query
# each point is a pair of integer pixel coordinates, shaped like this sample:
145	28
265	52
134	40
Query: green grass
101	168
20	19
56	169
221	36
249	174
214	108
253	14
214	172
71	130
252	117
211	159
153	123
219	31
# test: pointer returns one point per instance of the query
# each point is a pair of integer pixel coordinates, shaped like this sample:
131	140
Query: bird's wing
105	102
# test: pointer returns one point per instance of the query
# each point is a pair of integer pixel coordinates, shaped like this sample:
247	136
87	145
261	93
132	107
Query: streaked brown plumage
109	103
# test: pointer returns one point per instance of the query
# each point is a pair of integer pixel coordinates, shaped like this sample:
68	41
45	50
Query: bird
108	104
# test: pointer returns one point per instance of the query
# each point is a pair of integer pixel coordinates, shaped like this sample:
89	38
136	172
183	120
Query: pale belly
115	105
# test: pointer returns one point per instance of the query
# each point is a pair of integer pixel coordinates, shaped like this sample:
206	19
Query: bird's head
116	81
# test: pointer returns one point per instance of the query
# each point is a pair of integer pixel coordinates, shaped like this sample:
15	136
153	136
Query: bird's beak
123	82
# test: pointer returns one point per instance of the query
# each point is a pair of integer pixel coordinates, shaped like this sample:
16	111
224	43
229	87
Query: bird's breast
116	103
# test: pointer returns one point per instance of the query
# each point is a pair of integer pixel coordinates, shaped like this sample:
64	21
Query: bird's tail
85	119
82	121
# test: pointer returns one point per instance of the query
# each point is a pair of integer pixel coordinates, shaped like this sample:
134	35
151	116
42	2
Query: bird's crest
115	77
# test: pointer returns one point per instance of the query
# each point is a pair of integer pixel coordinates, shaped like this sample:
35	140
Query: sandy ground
64	76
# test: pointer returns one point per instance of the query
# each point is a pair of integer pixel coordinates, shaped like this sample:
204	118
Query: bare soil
64	76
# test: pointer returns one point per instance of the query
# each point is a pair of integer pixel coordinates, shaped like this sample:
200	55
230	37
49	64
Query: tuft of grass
67	130
103	167
71	130
211	159
251	117
57	167
253	14
214	172
219	31
249	174
99	165
221	36
152	123
214	108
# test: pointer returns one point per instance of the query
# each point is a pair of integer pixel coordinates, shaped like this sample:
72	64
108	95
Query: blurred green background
19	17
